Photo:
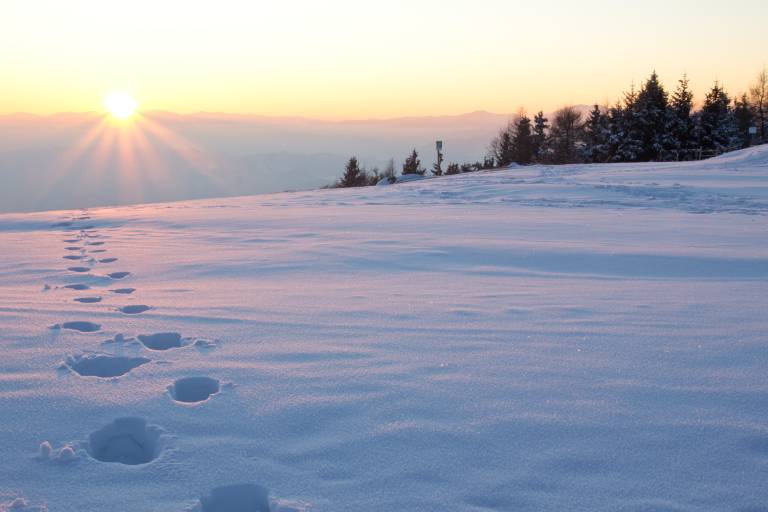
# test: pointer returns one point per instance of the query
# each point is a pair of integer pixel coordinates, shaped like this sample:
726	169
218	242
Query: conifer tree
596	135
716	127
501	148
744	118
412	164
652	119
629	132
452	169
522	142
539	137
353	175
682	123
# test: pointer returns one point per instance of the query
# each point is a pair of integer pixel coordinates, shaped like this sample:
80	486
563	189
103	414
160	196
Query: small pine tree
539	137
412	164
353	175
452	169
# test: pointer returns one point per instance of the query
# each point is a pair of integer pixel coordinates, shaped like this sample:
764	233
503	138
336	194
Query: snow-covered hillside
544	338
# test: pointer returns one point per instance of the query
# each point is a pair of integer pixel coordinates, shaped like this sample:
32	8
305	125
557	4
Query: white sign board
753	130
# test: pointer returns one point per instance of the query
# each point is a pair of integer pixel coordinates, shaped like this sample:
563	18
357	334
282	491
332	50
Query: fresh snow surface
581	338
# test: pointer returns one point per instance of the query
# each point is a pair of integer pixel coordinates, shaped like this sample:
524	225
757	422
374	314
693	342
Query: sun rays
134	154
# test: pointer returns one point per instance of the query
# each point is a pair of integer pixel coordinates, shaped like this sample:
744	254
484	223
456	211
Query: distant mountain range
71	160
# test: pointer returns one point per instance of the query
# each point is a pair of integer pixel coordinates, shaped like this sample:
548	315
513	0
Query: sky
340	59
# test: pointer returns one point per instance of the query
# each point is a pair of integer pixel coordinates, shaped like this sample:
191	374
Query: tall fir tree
596	136
522	142
682	123
629	130
652	119
412	164
716	127
539	137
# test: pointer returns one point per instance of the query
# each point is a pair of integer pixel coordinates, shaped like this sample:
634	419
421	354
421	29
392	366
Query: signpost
439	147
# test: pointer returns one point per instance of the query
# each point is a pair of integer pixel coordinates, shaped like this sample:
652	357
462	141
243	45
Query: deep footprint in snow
78	269
107	260
236	498
73	257
134	309
78	286
88	300
95	251
192	390
72	240
94	243
124	291
127	441
118	275
73	248
81	326
104	365
161	340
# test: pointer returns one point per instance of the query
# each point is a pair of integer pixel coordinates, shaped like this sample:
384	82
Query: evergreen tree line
645	125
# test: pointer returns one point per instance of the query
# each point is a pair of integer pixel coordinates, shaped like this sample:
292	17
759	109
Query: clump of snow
66	453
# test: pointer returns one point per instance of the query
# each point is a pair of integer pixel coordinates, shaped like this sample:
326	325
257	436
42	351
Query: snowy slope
544	338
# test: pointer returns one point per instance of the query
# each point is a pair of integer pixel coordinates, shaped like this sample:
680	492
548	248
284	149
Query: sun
120	104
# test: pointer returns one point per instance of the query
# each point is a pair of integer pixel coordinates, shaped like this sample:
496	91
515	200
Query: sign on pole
439	145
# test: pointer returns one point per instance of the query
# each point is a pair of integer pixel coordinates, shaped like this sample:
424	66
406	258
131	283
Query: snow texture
583	337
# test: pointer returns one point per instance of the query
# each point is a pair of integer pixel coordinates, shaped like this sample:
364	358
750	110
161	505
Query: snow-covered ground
545	338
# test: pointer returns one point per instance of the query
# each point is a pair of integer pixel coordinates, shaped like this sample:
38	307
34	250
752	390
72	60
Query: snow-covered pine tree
522	143
596	135
652	119
717	128
629	132
744	118
681	121
412	164
539	137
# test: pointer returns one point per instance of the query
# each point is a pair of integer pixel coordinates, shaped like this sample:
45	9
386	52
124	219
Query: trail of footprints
131	440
